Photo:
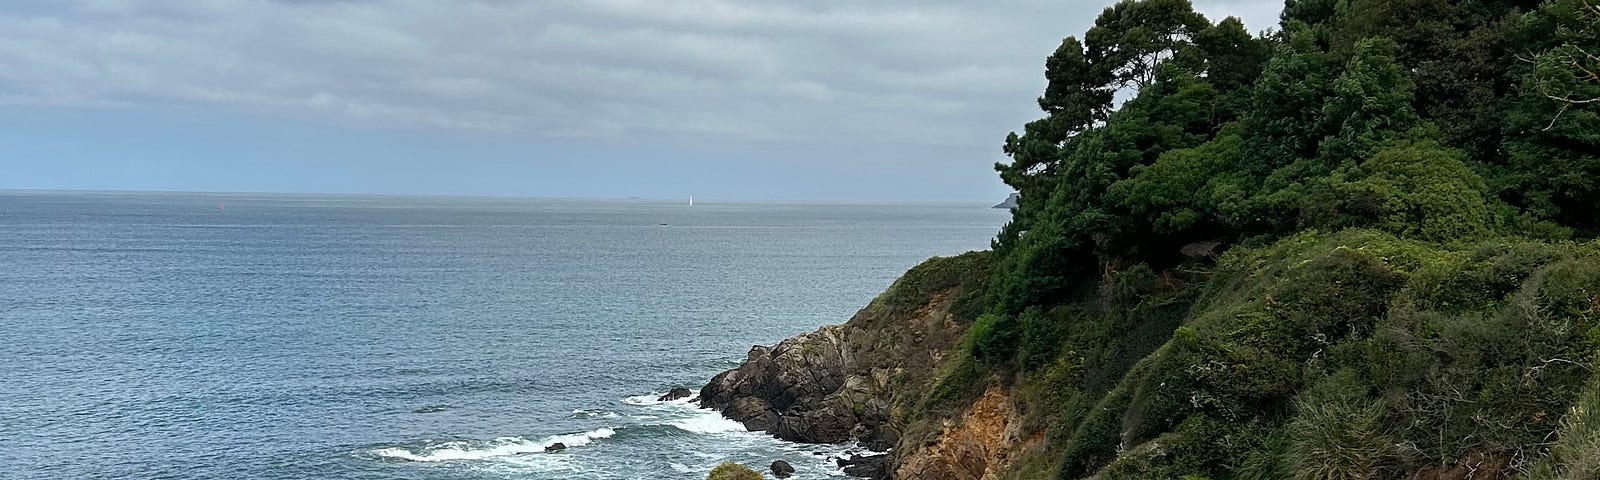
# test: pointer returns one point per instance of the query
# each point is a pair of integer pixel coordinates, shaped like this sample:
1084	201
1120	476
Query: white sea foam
651	400
589	413
499	447
709	422
685	413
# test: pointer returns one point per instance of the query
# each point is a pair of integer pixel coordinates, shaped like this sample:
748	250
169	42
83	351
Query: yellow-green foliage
733	471
1417	189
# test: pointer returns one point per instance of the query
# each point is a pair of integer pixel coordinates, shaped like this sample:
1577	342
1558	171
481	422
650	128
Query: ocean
212	336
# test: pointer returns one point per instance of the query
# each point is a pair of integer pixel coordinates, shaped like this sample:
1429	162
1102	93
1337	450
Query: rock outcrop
782	469
795	390
867	466
854	382
1010	202
674	394
837	384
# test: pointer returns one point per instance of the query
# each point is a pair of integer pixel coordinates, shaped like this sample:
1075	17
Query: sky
886	100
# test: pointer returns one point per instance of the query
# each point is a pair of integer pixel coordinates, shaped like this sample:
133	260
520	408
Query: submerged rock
556	447
675	394
782	469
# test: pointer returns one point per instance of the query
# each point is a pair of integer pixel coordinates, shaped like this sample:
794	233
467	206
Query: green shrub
1043	336
1165	397
1576	455
1261	336
733	471
1419	189
1052	386
958	378
1267	461
993	338
1095	442
1338	433
1453	382
1353	354
970	271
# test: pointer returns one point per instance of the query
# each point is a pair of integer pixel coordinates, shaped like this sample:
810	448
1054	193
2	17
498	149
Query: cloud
955	75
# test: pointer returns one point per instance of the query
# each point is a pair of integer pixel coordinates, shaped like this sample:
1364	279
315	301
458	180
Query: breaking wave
710	422
499	447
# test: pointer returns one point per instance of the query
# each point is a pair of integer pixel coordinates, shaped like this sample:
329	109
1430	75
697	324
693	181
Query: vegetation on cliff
1360	246
1406	193
733	471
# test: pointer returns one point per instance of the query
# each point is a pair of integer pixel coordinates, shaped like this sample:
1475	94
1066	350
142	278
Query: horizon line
698	197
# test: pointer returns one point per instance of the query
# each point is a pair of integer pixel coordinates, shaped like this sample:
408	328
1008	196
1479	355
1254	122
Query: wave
591	413
651	400
710	422
499	447
685	413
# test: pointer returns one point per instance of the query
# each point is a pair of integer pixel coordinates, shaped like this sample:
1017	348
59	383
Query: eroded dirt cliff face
976	446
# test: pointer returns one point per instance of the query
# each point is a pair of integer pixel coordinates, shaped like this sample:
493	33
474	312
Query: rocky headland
868	380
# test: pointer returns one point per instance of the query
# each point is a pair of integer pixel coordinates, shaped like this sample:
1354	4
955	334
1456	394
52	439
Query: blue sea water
208	336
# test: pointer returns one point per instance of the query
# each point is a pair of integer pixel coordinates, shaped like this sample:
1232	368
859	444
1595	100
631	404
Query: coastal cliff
863	380
882	379
1354	350
1312	255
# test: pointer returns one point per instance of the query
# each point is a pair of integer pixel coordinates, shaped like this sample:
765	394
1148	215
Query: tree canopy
1405	116
1359	245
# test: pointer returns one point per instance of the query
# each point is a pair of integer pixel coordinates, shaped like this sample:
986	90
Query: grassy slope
1344	355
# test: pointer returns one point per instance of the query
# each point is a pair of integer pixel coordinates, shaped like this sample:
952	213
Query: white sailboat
691	200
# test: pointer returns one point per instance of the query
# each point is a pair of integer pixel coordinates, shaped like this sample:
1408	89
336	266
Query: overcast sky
792	99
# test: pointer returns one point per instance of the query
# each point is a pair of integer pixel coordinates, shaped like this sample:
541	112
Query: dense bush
1338	432
1348	248
1356	354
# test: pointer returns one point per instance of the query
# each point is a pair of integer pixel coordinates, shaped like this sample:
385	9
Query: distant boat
691	200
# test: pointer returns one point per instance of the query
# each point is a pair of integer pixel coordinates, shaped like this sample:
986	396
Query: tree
1233	57
1371	102
1076	96
1284	122
1552	129
1130	39
1570	73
